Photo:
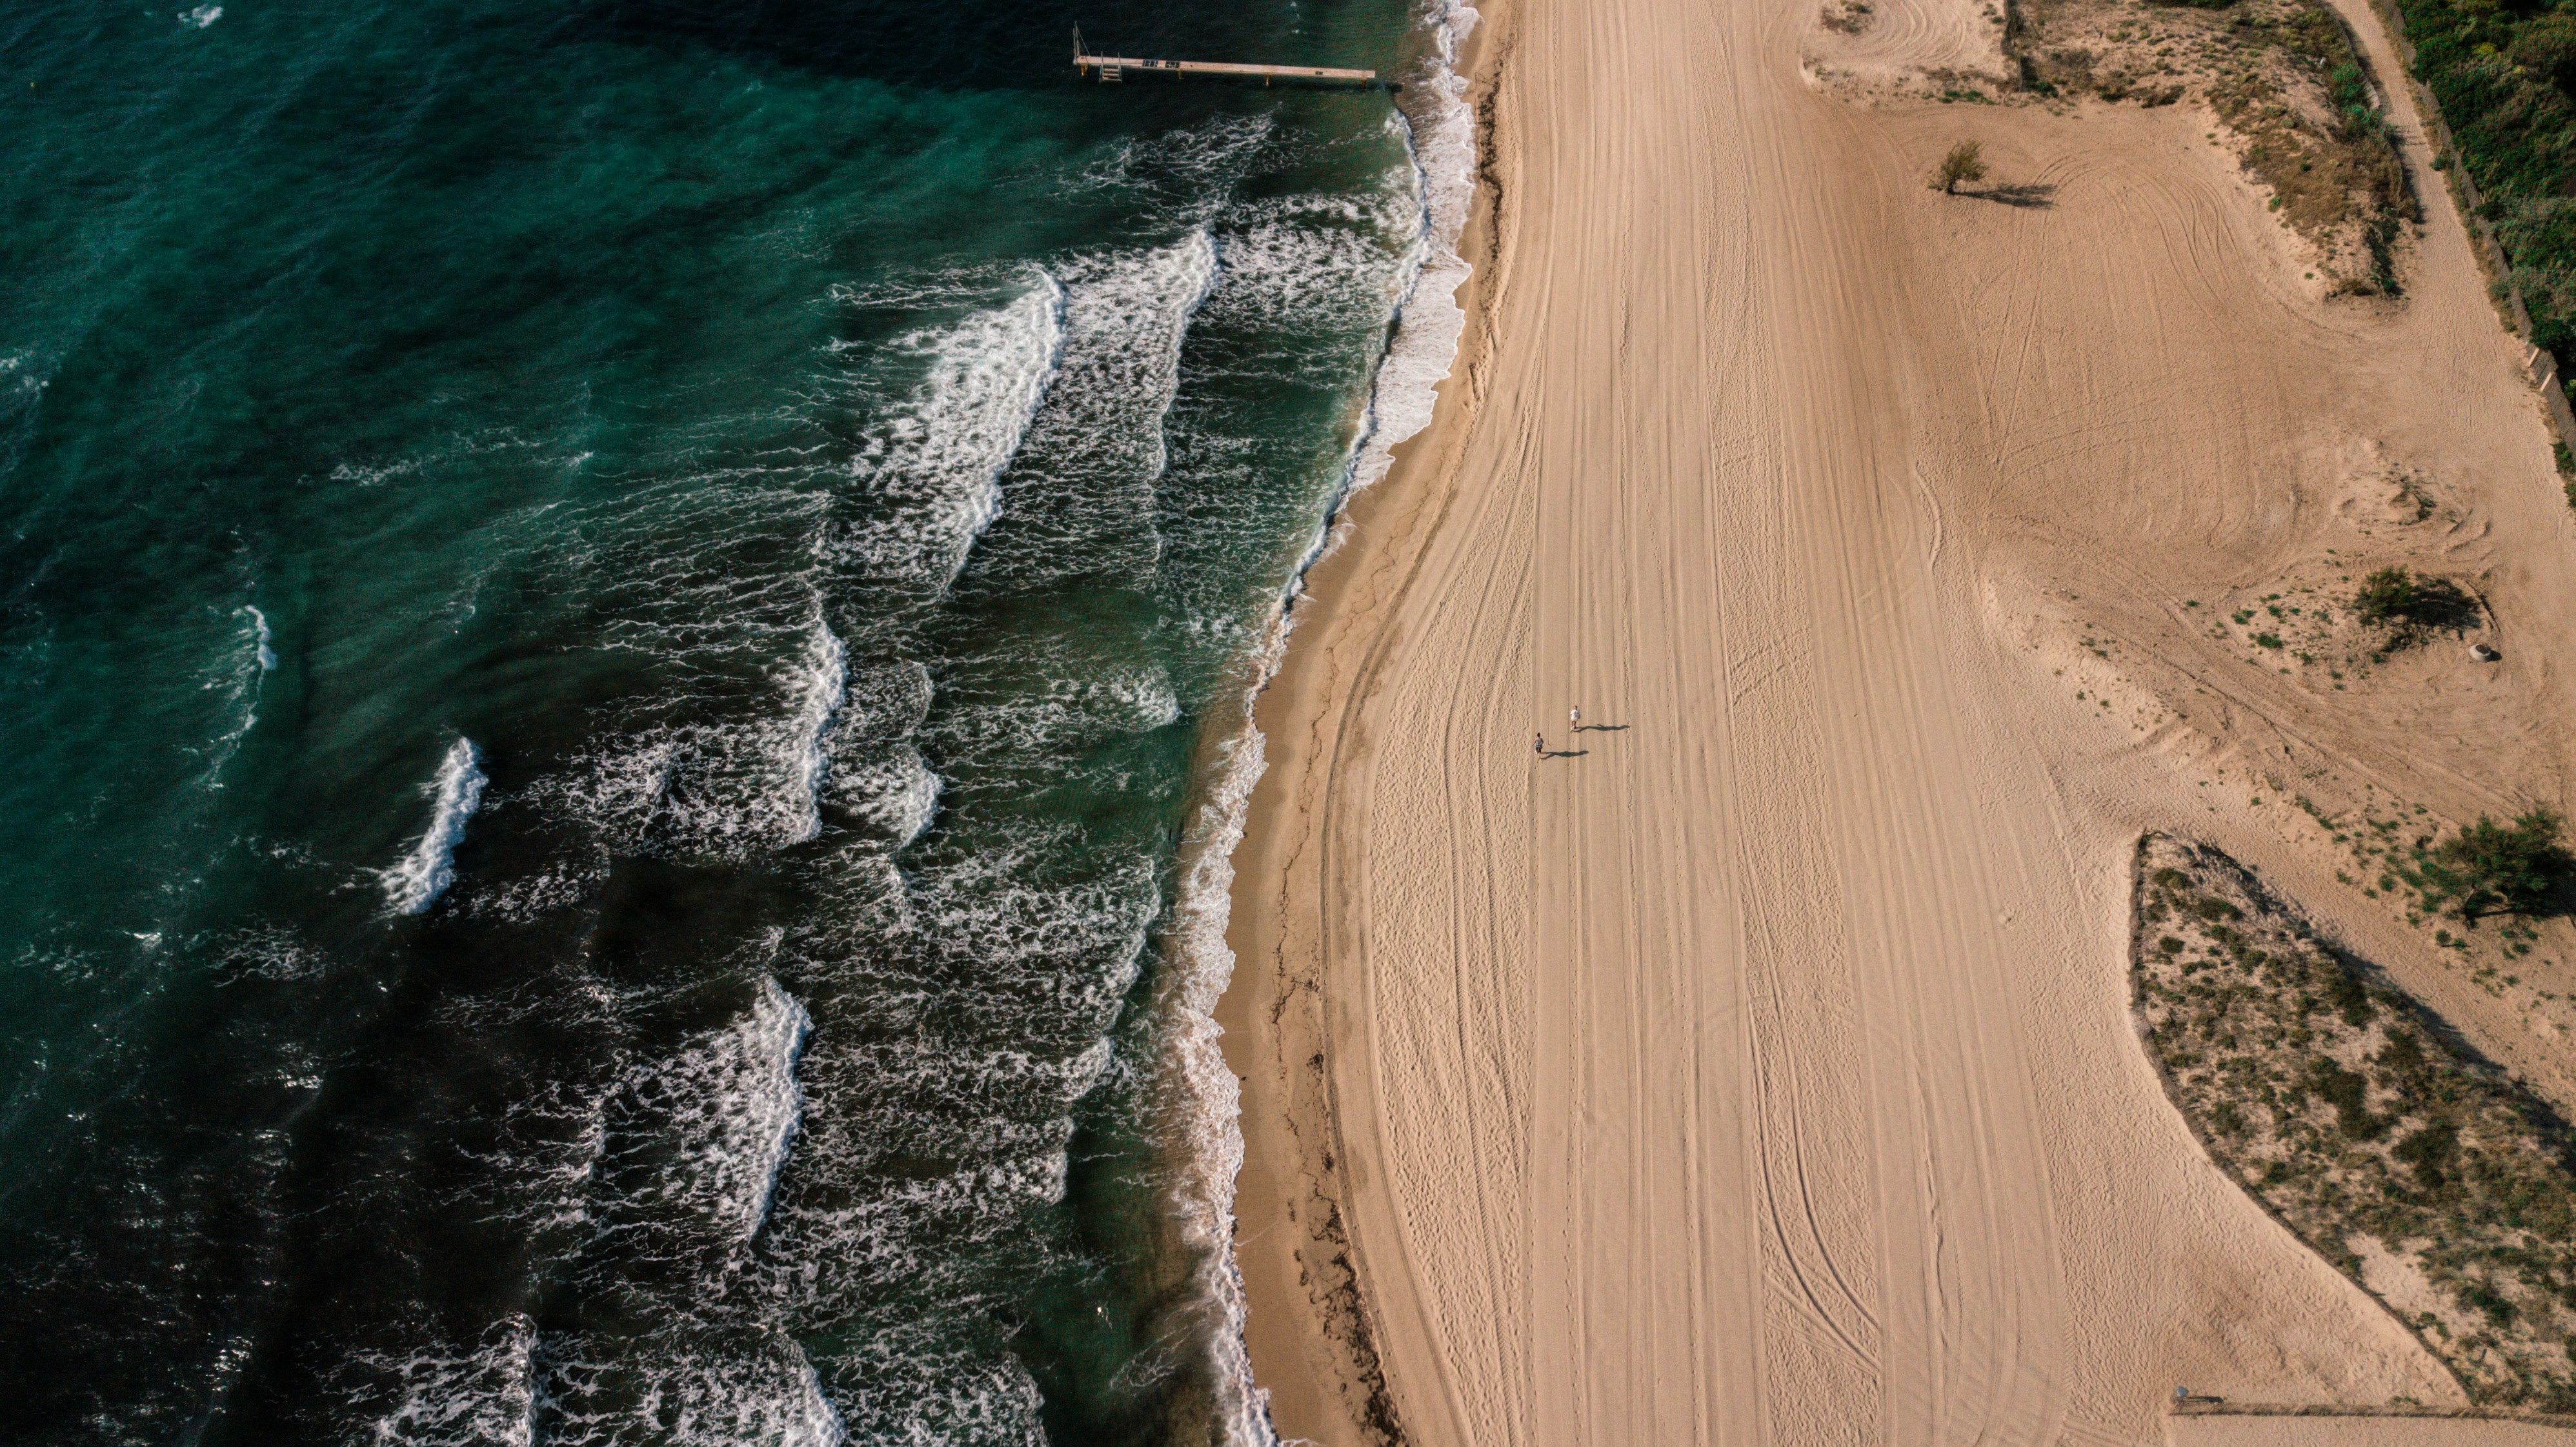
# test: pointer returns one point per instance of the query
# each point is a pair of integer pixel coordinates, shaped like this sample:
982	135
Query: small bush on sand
2490	866
1965	162
2409	602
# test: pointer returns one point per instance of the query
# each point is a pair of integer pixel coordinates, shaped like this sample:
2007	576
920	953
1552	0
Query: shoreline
1308	1330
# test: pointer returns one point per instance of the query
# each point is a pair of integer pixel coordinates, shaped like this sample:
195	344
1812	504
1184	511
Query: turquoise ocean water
624	630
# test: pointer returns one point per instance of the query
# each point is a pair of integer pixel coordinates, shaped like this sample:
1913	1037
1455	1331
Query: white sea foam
887	1233
893	793
201	17
237	681
910	1384
1198	164
1298	263
1210	1105
990	998
818	690
887	700
1088	357
985	909
1086	701
937	467
615	789
542	1159
414	884
564	881
269	952
447	1395
747	778
1442	141
932	1062
681	1390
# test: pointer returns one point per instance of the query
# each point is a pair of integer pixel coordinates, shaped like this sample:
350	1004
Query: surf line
1429	322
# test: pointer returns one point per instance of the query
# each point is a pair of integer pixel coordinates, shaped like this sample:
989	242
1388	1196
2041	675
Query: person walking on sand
1538	742
1574	718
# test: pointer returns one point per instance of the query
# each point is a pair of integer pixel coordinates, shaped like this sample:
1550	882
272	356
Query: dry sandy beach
1757	1066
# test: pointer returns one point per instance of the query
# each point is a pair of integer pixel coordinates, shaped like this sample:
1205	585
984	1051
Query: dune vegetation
2505	77
2442	1187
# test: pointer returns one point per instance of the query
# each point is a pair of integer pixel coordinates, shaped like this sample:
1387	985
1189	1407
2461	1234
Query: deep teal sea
618	622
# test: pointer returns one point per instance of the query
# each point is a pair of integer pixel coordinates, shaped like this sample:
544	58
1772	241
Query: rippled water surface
615	621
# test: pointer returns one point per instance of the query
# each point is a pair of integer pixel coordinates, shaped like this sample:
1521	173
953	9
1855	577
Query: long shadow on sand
2029	196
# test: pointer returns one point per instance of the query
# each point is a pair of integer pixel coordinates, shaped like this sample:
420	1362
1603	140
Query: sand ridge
2265	1431
1758	1068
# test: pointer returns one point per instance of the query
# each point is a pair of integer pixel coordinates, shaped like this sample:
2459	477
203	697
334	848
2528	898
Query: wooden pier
1115	68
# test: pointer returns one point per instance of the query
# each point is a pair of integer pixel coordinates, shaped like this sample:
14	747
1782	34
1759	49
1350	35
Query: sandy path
1758	1069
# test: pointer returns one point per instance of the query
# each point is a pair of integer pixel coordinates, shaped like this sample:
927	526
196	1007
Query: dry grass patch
1848	17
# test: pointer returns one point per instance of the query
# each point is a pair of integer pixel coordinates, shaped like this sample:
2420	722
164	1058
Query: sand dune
1756	1067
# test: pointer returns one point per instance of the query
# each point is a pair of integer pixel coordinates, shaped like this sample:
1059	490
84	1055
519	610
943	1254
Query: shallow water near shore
615	624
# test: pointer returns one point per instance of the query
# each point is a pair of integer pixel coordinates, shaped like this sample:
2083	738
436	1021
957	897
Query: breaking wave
266	655
700	1136
413	885
935	469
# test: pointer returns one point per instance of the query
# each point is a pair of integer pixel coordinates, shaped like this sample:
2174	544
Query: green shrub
2546	46
2483	1295
2403	1055
2502	74
2446	1163
2490	866
2407	601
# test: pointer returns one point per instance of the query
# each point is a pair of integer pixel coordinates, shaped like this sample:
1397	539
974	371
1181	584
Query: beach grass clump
2359	1120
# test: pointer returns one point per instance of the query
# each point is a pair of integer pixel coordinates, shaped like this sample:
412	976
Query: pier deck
1116	68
